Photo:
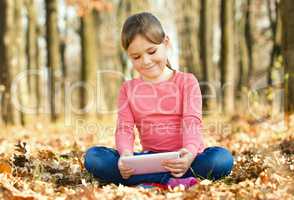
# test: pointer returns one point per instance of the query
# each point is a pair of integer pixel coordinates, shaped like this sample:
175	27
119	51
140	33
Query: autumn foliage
35	166
84	6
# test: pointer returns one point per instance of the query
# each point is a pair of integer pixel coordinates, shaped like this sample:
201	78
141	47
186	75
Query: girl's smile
151	67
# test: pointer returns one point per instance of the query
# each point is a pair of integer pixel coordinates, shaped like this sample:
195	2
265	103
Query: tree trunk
243	57
249	38
19	54
287	8
276	27
6	42
227	64
89	62
31	47
103	80
37	80
53	56
187	34
123	10
63	46
206	27
32	52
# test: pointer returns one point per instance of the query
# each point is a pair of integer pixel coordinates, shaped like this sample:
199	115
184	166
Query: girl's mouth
150	67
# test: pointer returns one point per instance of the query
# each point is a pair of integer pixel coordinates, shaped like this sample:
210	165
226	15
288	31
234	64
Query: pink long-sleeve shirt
168	114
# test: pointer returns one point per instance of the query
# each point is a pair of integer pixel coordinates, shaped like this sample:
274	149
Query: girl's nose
146	60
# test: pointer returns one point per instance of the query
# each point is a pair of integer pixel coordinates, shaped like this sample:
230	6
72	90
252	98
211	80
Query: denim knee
92	161
223	161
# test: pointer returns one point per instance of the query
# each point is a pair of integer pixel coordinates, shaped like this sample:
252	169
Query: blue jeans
213	163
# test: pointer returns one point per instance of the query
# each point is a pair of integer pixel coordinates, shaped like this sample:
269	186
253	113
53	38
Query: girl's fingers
121	164
178	165
126	175
131	171
174	162
123	167
175	166
177	174
174	170
128	171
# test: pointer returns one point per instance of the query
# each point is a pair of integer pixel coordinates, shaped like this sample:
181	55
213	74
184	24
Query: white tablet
148	163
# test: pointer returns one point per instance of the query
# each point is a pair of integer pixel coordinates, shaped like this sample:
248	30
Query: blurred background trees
61	58
287	9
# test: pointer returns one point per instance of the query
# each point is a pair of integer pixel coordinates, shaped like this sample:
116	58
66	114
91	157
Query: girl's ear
167	41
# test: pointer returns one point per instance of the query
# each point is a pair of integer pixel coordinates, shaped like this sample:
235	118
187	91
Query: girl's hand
178	167
125	172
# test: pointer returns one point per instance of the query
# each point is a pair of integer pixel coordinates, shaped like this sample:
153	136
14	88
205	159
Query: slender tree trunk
32	51
246	45
53	57
243	64
249	39
187	34
6	42
123	10
287	8
105	100
63	46
206	27
63	50
37	80
243	49
276	27
31	47
227	64
20	58
89	62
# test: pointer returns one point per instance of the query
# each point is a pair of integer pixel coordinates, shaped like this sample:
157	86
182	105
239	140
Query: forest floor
45	161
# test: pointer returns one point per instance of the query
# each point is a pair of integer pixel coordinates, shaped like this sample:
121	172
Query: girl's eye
136	58
152	52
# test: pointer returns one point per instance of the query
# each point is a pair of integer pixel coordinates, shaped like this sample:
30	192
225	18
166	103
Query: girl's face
148	59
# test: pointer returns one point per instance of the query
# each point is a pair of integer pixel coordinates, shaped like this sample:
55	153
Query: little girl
166	107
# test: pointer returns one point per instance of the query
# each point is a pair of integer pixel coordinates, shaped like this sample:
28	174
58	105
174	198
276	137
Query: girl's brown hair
144	24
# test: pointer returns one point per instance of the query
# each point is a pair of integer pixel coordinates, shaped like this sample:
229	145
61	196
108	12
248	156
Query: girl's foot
186	182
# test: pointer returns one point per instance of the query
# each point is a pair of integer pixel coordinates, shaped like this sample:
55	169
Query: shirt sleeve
192	116
124	134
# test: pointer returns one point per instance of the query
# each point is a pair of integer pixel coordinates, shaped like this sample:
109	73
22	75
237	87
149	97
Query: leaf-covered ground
45	161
